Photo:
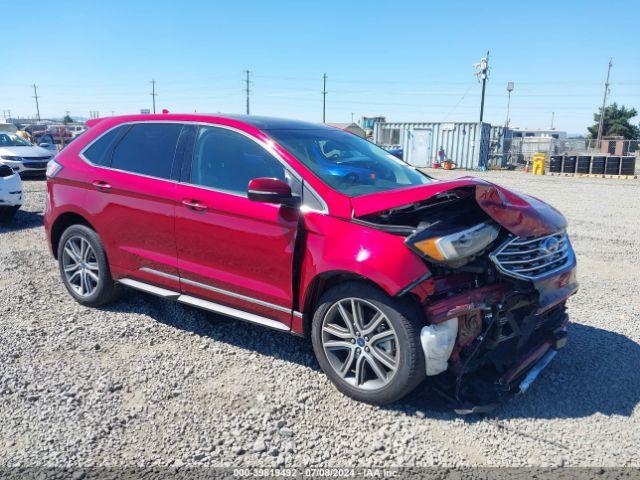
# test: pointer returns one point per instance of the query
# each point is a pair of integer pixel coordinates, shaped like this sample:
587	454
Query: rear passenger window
148	149
227	160
99	153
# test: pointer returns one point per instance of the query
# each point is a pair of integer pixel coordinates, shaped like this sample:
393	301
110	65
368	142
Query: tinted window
227	160
147	149
99	153
348	163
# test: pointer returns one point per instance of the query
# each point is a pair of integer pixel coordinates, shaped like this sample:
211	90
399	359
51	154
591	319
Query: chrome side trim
235	295
159	273
145	287
217	290
298	314
232	312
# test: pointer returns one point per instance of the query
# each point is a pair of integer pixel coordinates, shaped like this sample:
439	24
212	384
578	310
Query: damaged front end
501	268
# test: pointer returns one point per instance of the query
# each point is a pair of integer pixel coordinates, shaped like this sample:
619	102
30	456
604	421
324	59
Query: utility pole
482	74
324	98
153	94
247	89
604	102
35	95
553	114
351	117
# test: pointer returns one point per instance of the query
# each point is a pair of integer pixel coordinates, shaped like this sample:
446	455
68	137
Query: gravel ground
149	382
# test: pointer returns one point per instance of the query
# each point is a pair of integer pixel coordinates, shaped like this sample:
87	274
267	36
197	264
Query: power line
324	98
35	95
604	101
247	89
153	94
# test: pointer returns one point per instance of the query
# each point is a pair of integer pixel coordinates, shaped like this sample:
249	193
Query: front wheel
368	343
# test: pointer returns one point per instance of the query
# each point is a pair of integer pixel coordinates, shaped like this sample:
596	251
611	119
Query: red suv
307	229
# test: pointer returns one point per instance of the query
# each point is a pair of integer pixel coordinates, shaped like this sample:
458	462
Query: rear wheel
84	268
368	343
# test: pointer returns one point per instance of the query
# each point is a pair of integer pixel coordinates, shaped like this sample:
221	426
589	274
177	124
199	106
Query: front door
231	250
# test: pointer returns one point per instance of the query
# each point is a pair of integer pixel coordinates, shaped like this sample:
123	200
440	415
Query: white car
22	156
10	193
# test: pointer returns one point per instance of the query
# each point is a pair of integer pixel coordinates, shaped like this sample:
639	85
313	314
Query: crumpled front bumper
515	381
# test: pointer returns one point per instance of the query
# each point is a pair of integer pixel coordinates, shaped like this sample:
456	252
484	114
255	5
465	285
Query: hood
25	151
522	215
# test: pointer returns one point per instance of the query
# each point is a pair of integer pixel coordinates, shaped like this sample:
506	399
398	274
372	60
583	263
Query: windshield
349	164
12	140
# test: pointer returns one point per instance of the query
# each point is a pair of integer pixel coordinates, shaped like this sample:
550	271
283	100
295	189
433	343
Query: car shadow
238	333
23	220
597	372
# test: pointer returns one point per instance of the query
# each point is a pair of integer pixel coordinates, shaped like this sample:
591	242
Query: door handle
102	186
194	205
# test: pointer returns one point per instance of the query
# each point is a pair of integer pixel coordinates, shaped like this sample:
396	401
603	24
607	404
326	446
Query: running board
204	304
145	287
232	312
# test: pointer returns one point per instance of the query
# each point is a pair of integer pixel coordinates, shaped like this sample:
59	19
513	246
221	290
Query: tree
616	123
67	119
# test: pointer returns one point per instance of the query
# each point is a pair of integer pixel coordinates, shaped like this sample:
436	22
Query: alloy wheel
360	343
80	266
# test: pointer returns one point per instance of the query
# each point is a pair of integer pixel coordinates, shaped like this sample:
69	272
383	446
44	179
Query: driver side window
227	160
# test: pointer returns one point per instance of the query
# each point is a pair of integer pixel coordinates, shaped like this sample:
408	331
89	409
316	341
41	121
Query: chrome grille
533	258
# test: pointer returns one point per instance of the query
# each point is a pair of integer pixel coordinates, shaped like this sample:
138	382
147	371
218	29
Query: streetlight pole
324	98
509	90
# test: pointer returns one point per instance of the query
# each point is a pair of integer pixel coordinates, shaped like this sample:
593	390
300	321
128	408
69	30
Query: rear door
133	195
231	250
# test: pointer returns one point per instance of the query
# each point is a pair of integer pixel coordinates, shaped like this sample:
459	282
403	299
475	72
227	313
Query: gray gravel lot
148	382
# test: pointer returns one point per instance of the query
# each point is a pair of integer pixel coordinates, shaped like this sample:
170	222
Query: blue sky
408	60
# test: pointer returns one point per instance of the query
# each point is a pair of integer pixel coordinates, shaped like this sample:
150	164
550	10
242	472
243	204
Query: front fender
334	244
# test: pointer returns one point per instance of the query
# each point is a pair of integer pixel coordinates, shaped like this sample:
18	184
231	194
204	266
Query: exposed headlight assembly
454	249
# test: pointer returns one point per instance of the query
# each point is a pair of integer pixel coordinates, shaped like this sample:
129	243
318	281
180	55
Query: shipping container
468	144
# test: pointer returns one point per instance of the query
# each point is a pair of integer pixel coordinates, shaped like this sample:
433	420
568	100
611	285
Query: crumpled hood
522	215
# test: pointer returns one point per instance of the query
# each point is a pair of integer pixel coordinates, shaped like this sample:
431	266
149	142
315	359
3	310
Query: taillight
53	168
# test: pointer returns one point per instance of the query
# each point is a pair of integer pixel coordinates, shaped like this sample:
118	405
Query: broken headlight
456	248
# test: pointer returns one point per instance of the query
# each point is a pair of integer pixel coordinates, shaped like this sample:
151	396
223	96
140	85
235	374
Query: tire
7	214
330	336
94	266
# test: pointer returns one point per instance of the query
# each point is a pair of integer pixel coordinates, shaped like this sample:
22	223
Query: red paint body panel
237	245
336	245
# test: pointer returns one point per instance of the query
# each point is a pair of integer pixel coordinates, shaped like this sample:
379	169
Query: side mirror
271	190
44	145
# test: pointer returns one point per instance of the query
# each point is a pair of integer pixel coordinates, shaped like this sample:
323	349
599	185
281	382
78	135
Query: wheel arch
323	282
61	223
